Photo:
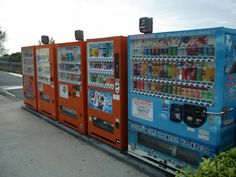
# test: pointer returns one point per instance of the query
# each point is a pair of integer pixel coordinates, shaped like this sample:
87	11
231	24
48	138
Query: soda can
174	90
204	73
205	50
204	94
139	69
183	91
135	69
144	69
210	95
198	94
157	50
174	51
153	51
199	73
179	68
193	93
135	85
169	89
153	87
174	71
184	72
211	50
170	51
188	92
169	71
211	74
179	90
154	70
165	70
201	50
148	86
150	69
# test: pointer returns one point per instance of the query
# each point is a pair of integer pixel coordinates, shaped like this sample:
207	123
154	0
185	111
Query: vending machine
182	96
29	76
72	87
107	90
47	80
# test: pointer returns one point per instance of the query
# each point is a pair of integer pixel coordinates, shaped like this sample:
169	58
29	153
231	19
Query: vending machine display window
107	94
29	76
72	94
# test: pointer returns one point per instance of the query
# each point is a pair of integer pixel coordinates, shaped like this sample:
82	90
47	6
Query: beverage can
145	69
169	71
153	87
211	50
179	90
165	70
193	93
205	50
154	70
174	90
204	94
210	94
210	74
169	89
198	94
170	51
174	50
184	72
150	69
199	73
183	91
135	85
204	73
135	69
188	92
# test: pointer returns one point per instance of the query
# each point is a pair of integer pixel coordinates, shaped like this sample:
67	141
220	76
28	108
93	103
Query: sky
25	21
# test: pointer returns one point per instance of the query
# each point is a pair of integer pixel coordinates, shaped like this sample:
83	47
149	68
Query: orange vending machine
29	76
47	80
107	90
72	100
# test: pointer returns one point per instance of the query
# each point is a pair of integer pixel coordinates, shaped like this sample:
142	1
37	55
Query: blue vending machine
182	96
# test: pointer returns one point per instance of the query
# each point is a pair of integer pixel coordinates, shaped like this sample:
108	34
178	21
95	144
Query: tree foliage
223	165
3	37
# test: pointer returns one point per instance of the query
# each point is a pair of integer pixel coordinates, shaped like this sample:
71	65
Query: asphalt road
11	86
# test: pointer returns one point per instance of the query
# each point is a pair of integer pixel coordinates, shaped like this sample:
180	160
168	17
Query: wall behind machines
15	67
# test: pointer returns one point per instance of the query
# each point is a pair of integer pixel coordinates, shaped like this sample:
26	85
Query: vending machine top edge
181	93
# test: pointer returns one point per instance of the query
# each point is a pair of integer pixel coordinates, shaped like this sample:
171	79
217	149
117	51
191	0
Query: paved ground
30	147
11	86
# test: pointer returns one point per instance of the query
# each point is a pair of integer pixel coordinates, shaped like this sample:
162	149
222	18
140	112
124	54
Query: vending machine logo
100	100
142	108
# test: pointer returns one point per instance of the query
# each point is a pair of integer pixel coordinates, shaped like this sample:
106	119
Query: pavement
32	145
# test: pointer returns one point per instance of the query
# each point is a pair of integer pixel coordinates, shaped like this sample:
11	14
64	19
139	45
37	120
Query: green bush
223	165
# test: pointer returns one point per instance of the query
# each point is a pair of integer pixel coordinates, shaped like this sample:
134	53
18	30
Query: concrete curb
121	156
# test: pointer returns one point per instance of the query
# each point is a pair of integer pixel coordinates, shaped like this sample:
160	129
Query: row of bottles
175	70
69	67
101	49
206	50
72	56
185	46
192	92
101	65
68	77
101	79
